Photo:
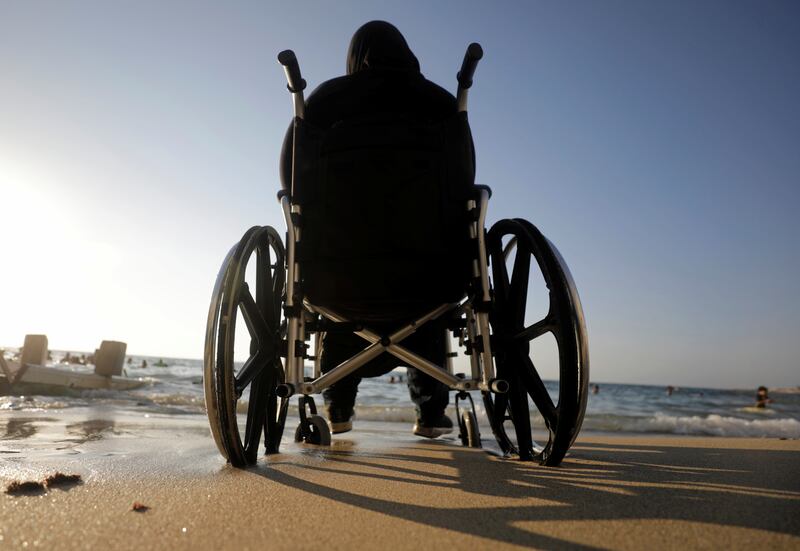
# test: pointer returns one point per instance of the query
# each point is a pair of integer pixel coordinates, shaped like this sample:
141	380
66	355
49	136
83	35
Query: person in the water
762	397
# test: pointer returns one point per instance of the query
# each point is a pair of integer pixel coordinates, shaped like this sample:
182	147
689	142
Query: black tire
512	340
470	435
318	432
260	375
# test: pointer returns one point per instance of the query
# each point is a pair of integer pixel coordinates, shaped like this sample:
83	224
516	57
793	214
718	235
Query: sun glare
53	272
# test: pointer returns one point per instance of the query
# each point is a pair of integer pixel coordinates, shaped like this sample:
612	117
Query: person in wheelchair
386	248
383	82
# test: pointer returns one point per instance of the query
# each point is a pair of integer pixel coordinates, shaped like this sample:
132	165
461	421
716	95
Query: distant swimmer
392	380
144	364
762	397
130	360
595	389
670	390
160	363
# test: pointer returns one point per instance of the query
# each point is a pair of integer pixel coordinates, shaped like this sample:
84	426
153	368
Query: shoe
339	422
433	428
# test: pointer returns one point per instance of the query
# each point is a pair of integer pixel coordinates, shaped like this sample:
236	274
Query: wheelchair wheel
232	386
469	434
317	431
512	345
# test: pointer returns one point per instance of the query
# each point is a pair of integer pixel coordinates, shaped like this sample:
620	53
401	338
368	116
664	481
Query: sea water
177	389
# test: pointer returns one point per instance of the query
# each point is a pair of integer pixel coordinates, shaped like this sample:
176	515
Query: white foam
710	425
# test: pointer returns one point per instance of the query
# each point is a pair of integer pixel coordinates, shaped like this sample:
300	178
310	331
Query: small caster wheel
470	435
317	432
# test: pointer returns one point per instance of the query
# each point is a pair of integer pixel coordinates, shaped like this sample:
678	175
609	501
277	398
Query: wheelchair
287	296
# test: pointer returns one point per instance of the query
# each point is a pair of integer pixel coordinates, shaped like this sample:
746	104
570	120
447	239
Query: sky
656	144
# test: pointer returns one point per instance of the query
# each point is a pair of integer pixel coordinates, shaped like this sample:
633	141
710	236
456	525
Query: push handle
471	58
292	69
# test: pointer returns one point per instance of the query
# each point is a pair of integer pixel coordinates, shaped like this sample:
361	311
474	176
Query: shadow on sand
726	488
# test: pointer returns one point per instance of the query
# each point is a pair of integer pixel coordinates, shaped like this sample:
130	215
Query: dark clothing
384	83
383	79
379	44
429	395
368	94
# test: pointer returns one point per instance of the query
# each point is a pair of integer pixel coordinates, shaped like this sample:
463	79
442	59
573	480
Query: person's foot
433	428
339	421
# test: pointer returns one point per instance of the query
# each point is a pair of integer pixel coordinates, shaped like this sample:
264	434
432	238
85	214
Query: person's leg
429	395
340	397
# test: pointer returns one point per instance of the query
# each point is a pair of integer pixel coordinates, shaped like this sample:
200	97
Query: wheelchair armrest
478	188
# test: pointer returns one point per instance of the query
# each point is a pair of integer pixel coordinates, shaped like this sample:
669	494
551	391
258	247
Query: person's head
762	391
379	44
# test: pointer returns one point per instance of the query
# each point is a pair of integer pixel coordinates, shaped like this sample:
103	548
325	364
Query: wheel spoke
519	411
265	297
498	411
538	392
256	324
274	425
494	245
255	419
536	330
501	408
510	246
500	280
254	365
518	289
276	420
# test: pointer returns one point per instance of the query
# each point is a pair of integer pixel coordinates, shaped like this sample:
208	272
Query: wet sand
379	486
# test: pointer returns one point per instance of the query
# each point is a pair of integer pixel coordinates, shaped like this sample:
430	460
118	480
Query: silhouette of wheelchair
270	301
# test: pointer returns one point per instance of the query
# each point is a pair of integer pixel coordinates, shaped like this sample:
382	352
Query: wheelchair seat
385	232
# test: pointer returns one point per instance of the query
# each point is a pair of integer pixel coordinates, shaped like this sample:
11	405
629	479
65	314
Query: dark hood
379	44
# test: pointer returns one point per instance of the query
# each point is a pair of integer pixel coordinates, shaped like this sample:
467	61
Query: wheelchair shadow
680	491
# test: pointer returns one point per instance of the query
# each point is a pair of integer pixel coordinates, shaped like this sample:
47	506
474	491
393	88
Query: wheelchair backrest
384	219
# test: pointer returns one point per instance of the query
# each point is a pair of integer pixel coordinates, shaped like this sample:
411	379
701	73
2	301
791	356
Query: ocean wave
710	425
733	421
29	403
182	400
786	390
388	414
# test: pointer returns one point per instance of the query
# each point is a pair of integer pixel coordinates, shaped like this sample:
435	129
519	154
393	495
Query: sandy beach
379	486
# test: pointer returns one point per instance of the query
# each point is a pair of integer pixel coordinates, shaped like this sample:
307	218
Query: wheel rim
564	320
225	385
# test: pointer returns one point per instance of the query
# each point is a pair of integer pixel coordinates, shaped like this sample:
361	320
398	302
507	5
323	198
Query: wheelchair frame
489	323
482	365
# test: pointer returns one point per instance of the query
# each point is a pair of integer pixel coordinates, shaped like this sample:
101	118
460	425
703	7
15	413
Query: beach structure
341	253
32	373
